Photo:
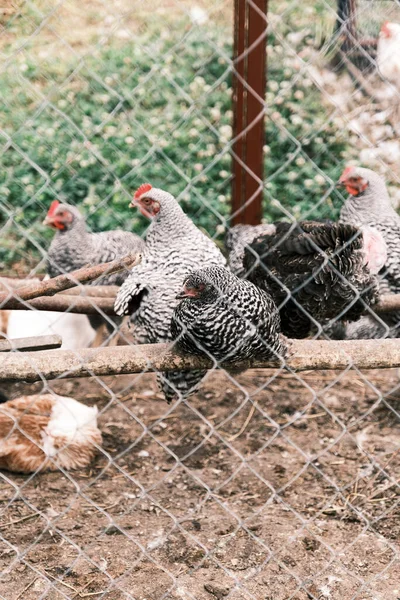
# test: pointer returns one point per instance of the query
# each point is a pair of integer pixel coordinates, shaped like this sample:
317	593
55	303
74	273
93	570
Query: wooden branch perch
86	304
93	291
67	281
65	303
119	360
40	342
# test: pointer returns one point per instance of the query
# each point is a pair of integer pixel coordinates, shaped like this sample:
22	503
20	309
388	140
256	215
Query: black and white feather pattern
75	247
231	321
174	248
373	207
314	271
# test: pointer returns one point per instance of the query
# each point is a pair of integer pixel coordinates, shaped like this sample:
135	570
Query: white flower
198	167
296	120
225	131
222	198
193	132
266	149
319	179
223	174
299	95
129	140
220	229
300	161
308	183
215	113
291	175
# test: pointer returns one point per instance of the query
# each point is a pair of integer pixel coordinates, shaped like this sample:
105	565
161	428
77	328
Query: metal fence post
249	86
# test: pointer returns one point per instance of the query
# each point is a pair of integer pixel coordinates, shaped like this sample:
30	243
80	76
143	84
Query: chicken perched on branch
317	271
74	246
174	248
46	431
227	319
369	204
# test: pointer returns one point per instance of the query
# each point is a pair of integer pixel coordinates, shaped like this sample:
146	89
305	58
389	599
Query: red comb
53	207
145	187
346	172
386	29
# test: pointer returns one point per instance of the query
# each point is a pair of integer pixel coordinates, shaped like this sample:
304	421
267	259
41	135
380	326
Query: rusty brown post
249	86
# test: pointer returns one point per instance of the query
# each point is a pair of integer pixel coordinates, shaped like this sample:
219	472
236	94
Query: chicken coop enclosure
277	482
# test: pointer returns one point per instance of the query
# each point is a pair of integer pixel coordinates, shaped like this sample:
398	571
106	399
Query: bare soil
267	488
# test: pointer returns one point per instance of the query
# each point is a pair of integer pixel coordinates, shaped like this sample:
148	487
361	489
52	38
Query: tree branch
39	342
72	301
305	355
69	280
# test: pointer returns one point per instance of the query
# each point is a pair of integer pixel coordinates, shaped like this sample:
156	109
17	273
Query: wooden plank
36	343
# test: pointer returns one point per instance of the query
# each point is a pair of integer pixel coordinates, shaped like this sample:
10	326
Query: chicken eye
146	200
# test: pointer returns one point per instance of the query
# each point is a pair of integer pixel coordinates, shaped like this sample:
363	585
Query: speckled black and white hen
174	248
369	204
236	240
227	319
316	272
74	247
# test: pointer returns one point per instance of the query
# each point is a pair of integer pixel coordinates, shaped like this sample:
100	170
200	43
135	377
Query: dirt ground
270	488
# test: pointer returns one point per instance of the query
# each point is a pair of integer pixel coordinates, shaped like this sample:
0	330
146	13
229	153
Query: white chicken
75	330
388	53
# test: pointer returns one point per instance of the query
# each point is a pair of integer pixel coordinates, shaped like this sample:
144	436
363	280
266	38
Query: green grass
155	109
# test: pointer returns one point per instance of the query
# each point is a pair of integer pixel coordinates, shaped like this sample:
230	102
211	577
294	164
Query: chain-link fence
278	483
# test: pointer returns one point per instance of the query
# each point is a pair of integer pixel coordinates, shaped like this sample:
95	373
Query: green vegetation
156	109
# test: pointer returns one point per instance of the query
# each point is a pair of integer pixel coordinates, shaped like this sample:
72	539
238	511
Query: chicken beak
47	221
340	184
181	295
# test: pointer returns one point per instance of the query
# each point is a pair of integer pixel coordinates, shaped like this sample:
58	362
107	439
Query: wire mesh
269	484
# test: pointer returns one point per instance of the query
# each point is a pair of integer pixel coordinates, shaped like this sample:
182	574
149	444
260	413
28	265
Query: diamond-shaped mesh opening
276	483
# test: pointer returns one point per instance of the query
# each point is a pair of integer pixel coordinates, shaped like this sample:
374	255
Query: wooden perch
305	355
63	303
40	342
67	281
90	291
86	304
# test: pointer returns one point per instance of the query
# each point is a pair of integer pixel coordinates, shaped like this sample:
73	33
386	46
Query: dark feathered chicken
226	318
317	272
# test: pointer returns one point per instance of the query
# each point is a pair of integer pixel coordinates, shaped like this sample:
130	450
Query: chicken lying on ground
316	272
369	204
74	247
174	248
226	319
47	432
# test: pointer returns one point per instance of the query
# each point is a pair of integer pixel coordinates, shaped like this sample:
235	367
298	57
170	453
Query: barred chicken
236	240
74	247
316	272
174	248
227	319
369	204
